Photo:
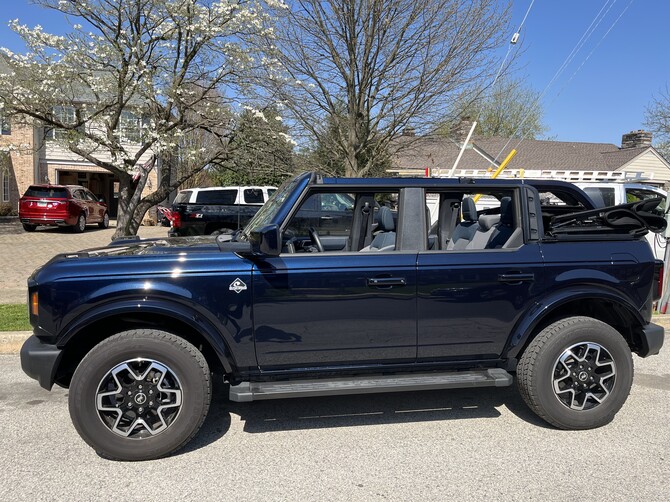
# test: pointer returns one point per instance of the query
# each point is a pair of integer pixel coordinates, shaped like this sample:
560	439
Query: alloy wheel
139	398
584	376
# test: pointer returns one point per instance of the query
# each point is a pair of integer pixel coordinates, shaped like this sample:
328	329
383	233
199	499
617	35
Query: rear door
470	300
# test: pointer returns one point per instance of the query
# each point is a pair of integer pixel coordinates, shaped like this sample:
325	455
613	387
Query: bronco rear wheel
576	374
140	395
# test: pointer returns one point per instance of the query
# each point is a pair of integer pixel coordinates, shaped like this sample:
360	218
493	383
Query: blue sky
606	98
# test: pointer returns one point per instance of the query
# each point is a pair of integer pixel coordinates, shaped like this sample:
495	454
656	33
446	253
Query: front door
346	308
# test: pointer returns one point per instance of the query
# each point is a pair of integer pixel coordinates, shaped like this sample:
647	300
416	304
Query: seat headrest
506	212
385	219
486	221
469	209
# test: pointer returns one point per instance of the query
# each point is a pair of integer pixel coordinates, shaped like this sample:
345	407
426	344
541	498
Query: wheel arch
607	308
85	333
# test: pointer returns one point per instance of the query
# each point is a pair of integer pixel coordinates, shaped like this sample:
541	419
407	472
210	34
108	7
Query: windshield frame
277	206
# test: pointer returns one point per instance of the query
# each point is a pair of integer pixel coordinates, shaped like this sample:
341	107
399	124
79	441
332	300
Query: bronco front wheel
140	395
576	374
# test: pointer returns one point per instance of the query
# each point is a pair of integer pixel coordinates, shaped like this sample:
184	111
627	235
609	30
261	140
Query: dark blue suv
341	286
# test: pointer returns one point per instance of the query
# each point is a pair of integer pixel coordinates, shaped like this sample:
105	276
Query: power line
614	23
511	44
566	62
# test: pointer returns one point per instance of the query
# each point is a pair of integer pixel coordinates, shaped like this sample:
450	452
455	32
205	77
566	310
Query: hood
136	246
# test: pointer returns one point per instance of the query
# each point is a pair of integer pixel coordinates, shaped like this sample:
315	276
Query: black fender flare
546	306
163	307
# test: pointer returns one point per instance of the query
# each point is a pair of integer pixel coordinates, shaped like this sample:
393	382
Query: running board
255	391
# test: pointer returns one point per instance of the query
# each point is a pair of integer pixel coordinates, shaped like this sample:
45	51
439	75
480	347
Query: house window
5	126
130	126
5	186
64	115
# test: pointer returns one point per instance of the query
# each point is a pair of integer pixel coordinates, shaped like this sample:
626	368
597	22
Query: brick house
636	155
18	163
30	153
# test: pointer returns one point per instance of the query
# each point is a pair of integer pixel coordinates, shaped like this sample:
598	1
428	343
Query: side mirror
266	241
102	199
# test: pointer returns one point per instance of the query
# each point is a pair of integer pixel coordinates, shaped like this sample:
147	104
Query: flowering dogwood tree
139	78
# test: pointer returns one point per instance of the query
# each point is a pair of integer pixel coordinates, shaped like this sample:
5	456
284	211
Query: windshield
266	214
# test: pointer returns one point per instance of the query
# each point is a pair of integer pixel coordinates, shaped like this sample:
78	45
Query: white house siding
648	163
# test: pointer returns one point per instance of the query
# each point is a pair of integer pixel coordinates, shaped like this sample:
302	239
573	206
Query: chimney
636	139
460	130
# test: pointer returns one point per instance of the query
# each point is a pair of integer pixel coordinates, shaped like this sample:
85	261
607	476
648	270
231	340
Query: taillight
658	279
175	221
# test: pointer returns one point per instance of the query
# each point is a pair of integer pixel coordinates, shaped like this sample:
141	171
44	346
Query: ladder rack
569	175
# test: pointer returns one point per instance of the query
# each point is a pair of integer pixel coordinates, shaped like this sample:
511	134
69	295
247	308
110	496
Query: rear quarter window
216	197
253	196
601	196
47	192
183	197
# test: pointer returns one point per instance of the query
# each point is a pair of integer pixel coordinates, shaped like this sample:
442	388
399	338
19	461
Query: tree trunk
129	216
124	211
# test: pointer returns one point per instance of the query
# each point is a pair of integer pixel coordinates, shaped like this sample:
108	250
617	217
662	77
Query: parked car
61	205
205	211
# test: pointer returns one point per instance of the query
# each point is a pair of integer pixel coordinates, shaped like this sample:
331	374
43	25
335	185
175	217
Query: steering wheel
316	241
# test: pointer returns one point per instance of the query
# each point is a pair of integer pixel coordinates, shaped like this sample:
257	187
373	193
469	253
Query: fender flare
546	306
163	307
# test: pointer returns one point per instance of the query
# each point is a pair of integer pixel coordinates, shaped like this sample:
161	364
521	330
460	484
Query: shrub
7	210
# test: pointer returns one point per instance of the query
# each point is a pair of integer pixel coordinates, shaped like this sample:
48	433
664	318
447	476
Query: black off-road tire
178	356
28	227
539	369
80	226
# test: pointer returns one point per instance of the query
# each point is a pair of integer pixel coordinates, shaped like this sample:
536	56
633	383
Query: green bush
7	210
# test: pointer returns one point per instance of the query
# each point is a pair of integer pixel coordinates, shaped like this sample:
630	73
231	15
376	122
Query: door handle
386	282
516	278
326	218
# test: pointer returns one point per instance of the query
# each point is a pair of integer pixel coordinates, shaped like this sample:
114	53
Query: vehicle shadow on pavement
361	410
217	422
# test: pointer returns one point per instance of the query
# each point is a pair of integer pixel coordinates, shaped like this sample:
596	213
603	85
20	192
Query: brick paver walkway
22	252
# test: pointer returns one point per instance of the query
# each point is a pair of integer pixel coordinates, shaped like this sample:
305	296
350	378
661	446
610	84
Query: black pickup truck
213	210
537	283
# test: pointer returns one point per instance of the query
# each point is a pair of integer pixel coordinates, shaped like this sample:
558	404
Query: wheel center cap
583	376
140	398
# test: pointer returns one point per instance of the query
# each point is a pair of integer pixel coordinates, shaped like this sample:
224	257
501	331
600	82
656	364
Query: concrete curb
11	341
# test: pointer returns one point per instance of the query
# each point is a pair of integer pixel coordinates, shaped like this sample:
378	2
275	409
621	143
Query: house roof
441	152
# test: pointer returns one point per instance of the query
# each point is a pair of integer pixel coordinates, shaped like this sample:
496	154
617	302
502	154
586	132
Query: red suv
62	205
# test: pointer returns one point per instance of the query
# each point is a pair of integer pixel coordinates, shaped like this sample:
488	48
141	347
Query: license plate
41	204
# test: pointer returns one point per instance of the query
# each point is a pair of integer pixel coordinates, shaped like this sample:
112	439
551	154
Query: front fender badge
238	286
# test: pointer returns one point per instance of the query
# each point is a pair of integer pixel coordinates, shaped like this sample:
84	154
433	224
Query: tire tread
144	334
528	363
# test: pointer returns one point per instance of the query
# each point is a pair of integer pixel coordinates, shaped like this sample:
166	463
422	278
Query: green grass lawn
14	318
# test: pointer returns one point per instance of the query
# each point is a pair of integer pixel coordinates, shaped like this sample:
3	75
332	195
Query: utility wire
511	44
575	50
585	59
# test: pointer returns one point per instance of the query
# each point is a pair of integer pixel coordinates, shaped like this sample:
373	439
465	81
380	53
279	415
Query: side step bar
255	391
